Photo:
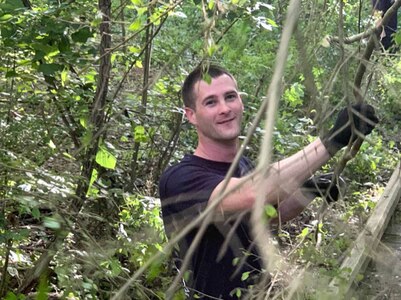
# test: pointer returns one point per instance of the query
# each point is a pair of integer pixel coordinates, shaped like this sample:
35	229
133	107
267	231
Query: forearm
287	175
281	181
292	206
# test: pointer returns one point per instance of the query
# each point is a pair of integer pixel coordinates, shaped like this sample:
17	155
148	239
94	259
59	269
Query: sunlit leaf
106	159
270	211
5	17
137	24
137	2
64	76
245	276
140	134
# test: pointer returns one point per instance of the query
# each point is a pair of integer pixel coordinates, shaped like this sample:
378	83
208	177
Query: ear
191	115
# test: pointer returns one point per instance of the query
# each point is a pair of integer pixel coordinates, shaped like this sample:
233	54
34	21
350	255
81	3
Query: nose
224	108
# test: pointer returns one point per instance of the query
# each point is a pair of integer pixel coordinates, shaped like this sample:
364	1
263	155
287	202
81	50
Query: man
214	106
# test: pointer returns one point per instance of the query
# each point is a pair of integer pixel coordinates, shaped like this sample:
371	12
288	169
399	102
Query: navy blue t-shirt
185	189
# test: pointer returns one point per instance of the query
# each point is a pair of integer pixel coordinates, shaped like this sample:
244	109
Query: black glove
321	186
364	119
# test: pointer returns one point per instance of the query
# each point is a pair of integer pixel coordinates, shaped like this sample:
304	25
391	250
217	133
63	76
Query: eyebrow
225	94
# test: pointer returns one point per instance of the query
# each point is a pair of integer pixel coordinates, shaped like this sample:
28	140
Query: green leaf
270	211
137	2
11	73
115	267
82	35
304	232
6	32
50	69
35	213
11	296
136	25
207	78
64	77
51	223
238	293
245	276
43	289
106	159
93	177
359	277
5	17
140	134
11	5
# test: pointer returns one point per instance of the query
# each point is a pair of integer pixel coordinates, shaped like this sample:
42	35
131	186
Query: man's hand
346	129
323	186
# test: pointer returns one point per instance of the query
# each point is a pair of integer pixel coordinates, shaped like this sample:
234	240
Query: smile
226	121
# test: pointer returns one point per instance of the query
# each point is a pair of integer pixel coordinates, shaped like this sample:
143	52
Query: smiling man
215	108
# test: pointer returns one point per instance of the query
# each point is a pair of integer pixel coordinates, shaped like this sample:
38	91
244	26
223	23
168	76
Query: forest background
90	115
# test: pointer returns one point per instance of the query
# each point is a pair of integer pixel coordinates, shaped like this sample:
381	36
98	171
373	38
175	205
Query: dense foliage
90	115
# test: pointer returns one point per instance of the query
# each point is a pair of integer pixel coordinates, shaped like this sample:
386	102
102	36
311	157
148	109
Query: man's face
218	109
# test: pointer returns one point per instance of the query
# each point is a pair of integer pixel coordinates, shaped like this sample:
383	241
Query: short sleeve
184	194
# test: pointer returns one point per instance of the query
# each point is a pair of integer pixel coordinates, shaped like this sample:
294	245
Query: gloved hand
364	120
320	186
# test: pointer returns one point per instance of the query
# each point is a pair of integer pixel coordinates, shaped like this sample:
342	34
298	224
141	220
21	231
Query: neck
217	151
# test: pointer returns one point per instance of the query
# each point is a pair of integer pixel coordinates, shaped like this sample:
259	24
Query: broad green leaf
140	134
50	69
5	17
82	35
137	2
136	25
115	267
106	159
35	213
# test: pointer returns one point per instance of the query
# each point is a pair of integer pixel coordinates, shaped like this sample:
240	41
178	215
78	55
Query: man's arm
285	177
282	180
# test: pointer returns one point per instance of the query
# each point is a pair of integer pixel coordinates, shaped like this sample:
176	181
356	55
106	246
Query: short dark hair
200	73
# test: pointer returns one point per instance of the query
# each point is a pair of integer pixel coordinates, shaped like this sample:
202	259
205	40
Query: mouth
226	121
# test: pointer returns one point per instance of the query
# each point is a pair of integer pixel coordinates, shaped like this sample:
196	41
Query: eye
231	97
210	102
